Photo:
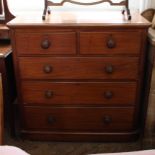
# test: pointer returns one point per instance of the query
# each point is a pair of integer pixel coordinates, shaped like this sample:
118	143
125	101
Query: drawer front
110	42
50	43
78	68
79	119
37	93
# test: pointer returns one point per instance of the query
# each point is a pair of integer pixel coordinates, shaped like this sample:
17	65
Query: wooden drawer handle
111	43
107	120
47	69
49	94
50	119
108	94
109	69
45	44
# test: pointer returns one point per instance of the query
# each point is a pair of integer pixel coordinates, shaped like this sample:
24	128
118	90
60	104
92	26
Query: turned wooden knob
107	119
108	94
50	119
45	44
47	69
49	94
109	69
111	43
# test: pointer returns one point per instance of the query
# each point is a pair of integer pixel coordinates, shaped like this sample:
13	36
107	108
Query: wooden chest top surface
81	18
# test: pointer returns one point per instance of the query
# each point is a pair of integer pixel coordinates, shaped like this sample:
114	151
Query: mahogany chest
80	77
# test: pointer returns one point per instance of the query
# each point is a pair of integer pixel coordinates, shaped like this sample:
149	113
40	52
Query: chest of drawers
79	80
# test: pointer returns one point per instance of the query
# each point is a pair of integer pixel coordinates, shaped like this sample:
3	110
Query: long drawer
46	43
69	93
110	42
78	67
79	119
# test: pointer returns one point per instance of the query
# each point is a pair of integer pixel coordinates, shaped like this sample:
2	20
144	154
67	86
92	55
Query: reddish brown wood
79	119
62	85
56	93
78	67
81	136
58	43
99	42
4	32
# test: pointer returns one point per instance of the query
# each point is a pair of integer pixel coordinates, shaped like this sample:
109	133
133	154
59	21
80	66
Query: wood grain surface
79	67
80	75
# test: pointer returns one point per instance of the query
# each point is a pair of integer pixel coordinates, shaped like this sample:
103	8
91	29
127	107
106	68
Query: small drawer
42	43
110	42
78	67
79	93
79	119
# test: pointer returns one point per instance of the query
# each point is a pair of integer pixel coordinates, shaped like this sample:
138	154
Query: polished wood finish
48	43
78	67
79	119
67	93
110	42
96	20
89	86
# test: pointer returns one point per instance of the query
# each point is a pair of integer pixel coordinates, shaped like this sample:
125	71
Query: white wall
17	6
134	4
25	5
